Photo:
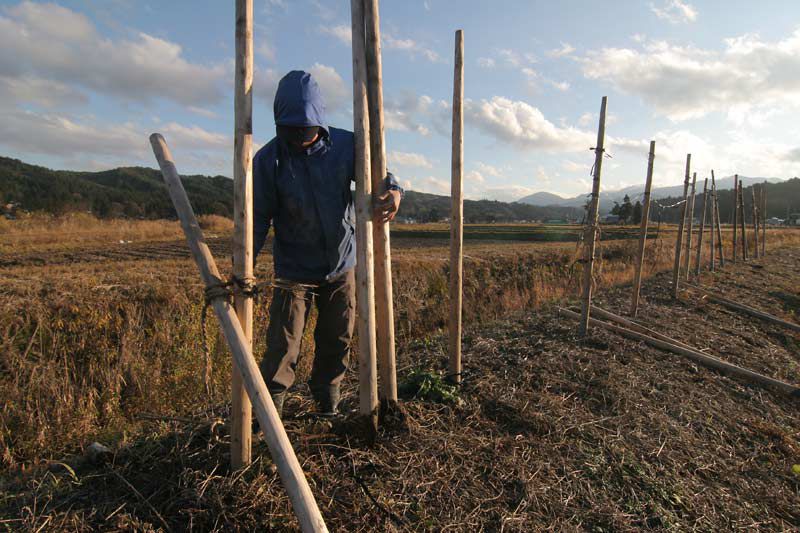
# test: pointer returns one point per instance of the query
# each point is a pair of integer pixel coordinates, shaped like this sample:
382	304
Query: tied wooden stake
591	222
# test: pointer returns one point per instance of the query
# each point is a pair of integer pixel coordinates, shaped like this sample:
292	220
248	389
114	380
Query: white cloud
430	184
55	43
486	62
342	32
675	11
414	48
403	113
489	170
566	49
473	177
523	125
687	82
39	91
505	193
266	50
408	159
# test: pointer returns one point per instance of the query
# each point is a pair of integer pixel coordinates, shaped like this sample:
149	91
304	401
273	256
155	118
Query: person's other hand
386	205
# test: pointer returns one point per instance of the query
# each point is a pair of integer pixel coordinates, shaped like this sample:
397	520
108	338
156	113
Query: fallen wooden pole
742	221
637	280
702	230
384	307
716	222
365	260
305	507
676	269
241	410
735	211
690	207
591	222
608	315
457	215
698	357
746	309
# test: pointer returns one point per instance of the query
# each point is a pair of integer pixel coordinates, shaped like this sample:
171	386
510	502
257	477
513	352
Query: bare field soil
548	431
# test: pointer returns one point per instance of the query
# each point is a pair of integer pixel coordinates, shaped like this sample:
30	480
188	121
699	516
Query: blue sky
83	83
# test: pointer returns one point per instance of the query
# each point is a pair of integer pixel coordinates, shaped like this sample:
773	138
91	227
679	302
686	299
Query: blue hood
298	101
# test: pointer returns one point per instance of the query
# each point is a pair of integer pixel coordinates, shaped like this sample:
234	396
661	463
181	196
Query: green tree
636	215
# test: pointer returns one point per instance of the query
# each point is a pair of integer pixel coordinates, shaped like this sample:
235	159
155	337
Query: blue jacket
306	196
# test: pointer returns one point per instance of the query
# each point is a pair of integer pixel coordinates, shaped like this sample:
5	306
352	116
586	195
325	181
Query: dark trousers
335	301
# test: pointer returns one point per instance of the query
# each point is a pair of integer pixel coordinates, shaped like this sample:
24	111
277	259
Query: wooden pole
743	224
690	207
735	211
702	230
637	280
384	308
746	309
696	356
305	507
712	258
755	222
457	217
365	261
716	222
763	220
608	315
241	410
591	222
677	267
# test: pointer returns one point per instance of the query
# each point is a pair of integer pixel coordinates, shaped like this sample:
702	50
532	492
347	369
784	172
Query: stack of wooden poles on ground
682	266
373	272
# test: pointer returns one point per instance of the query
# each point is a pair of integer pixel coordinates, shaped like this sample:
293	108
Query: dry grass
552	433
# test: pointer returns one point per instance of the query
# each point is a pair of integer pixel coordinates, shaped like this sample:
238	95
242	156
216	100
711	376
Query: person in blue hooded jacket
301	186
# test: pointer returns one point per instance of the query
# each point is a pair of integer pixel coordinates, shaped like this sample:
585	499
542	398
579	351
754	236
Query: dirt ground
547	432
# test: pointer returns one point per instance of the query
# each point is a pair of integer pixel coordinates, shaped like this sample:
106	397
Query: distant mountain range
137	192
635	192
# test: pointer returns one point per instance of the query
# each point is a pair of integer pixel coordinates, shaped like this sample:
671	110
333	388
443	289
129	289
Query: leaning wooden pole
763	220
365	261
735	211
702	230
676	269
754	209
457	214
687	260
295	483
697	356
637	280
591	222
742	221
241	410
384	308
716	223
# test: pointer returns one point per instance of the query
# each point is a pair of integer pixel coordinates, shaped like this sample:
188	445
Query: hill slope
138	192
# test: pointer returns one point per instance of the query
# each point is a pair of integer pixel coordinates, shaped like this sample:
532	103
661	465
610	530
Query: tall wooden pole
712	258
755	222
715	223
384	308
457	217
591	222
702	230
676	269
637	280
735	211
365	261
294	481
687	260
743	222
241	410
763	220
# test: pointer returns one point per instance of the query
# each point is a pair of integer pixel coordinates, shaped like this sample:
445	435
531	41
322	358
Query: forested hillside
137	192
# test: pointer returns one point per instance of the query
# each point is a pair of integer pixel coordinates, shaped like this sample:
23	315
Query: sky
83	83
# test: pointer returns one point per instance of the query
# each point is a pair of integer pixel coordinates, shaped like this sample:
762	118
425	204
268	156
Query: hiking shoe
327	400
278	399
